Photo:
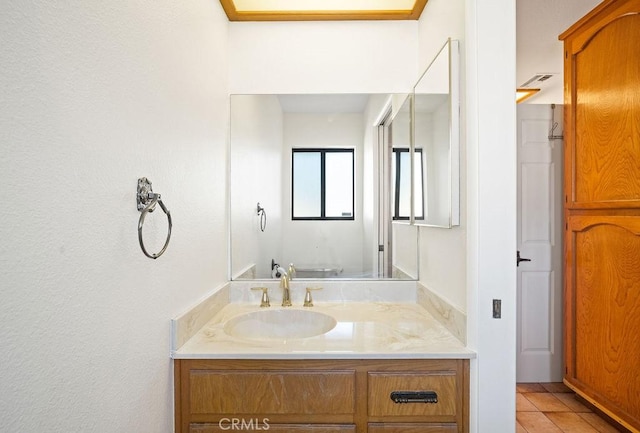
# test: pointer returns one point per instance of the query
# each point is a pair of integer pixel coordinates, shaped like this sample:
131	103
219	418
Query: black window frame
396	185
323	152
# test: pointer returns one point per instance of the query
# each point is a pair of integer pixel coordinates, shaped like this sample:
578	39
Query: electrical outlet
497	308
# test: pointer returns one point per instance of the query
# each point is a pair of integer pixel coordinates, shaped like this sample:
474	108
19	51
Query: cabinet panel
272	392
412	428
602	209
382	384
605	305
606	111
607	144
272	428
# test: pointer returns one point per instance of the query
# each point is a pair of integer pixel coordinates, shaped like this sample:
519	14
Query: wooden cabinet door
602	100
603	306
220	392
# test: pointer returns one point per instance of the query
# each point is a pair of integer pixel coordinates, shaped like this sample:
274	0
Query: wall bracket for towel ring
146	203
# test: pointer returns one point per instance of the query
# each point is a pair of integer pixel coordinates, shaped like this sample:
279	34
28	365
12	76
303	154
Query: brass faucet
286	295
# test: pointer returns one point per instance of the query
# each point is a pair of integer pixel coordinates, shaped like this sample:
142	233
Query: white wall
256	175
312	244
94	95
432	136
322	57
405	250
539	23
472	264
443	251
491	210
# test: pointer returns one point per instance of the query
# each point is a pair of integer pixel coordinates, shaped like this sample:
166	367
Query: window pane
418	198
393	184
306	184
338	184
405	185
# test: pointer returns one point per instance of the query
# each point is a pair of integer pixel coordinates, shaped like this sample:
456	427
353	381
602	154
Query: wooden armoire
602	209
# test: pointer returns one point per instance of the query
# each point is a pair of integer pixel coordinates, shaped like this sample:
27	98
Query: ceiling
538	50
319	10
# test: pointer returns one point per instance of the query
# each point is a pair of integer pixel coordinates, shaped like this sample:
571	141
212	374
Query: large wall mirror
436	141
308	186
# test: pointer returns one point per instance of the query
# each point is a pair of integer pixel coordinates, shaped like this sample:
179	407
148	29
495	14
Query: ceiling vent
537	80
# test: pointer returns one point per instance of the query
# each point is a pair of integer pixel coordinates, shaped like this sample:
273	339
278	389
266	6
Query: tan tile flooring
553	408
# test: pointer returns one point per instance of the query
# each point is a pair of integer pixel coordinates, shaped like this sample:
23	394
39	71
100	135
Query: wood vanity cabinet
321	396
602	209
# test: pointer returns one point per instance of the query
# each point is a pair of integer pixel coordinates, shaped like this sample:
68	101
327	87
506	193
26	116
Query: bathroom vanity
380	367
323	395
377	353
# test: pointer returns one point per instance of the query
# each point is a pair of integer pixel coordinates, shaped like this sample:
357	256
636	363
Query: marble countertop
363	330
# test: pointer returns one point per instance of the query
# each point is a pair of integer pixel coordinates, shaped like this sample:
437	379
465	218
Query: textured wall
94	95
322	57
443	253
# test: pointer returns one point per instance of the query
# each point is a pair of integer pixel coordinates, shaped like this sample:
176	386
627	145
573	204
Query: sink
279	324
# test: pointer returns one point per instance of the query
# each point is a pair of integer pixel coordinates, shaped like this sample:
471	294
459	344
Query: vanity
325	181
383	366
322	395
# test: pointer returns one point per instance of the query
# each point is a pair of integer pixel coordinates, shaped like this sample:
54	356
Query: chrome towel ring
146	201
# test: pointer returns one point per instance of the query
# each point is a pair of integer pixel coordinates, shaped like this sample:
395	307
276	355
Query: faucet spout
286	294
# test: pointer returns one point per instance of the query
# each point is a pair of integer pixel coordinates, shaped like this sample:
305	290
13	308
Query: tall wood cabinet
602	209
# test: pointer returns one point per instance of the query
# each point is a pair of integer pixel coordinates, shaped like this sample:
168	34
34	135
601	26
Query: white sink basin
280	324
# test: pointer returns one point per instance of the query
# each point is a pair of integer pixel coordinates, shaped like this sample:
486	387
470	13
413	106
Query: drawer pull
414	397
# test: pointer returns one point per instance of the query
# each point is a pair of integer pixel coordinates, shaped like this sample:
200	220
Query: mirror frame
452	47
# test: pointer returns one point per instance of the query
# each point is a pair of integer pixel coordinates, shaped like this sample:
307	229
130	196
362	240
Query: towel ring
263	217
146	203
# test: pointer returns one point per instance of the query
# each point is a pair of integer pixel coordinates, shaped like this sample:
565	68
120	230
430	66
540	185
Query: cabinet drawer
272	428
272	392
382	384
412	428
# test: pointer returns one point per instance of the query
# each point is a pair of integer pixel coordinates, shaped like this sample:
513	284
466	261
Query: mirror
436	143
399	263
307	187
400	140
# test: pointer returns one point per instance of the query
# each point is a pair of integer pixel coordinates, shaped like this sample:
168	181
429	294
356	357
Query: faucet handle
291	271
308	302
264	301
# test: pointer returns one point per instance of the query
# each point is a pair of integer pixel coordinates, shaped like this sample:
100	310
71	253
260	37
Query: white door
539	333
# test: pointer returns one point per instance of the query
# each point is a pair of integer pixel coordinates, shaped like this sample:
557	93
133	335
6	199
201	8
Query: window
401	184
322	184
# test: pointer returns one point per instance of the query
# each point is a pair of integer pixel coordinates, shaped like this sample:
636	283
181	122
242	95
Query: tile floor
553	408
